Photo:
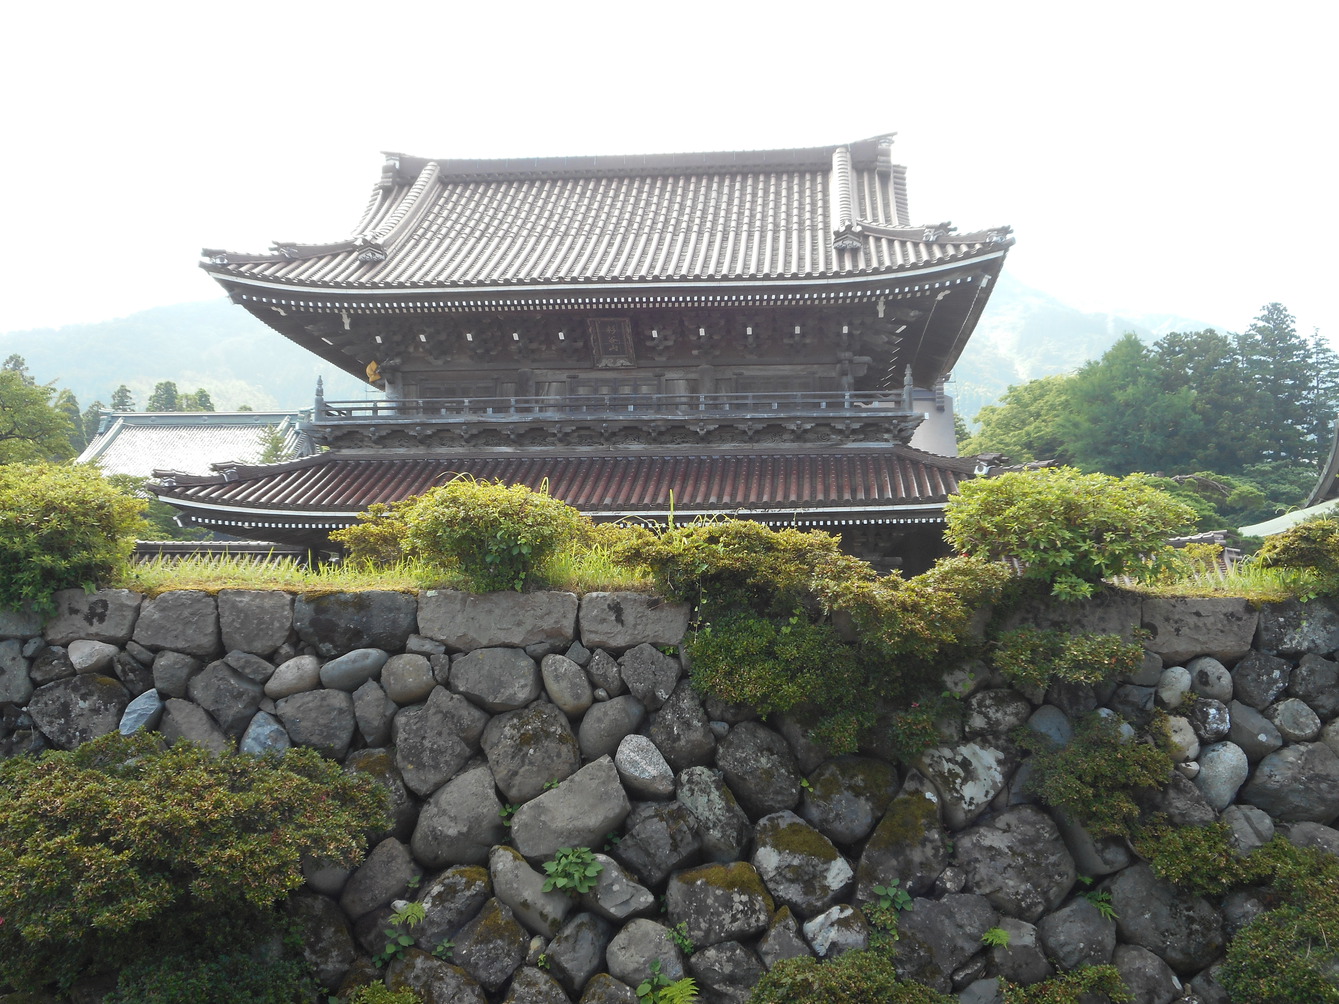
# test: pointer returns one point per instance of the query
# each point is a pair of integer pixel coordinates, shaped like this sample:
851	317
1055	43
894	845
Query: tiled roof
337	484
139	443
789	215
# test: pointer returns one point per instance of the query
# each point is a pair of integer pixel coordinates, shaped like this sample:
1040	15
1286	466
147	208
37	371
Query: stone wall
508	726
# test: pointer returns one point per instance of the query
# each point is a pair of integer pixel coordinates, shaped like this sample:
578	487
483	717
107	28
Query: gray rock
230	698
449	901
496	679
264	735
323	933
1185	931
947	930
1054	724
607	724
966	777
1173	685
382	877
530	985
292	676
1209	718
566	684
606	674
1240	907
521	889
604	989
1297	783
374	713
1180	628
417	644
837	931
184	720
719	902
143	712
1251	827
20	622
1134	704
1322	838
1223	770
985	991
341	622
681	731
1329	735
254	620
643	769
1093	856
649	674
464	720
1018	861
908	845
1078	935
466	621
995	712
1292	628
1146	976
434	980
578	813
1074	699
619	621
1252	731
406	678
379	765
578	653
783	940
630	952
183	621
617	896
1316	681
351	670
759	768
50	664
133	676
799	866
1259	679
1296	722
726	972
70	712
253	667
91	656
427	752
1185	744
530	749
576	953
321	719
108	615
847	796
1210	678
15	686
1183	803
808	754
1020	959
460	822
491	946
658	841
721	824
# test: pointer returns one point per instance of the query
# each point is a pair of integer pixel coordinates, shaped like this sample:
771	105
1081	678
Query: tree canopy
31	427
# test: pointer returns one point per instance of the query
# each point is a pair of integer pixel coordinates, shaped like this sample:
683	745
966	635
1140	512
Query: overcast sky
1151	157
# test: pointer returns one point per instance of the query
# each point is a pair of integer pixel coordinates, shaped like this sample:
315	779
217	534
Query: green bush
1033	657
1066	528
1096	779
379	993
859	977
498	535
1311	546
228	978
1074	987
60	527
122	848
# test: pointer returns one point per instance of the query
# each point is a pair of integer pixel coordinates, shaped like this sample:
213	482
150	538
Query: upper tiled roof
340	484
139	443
757	217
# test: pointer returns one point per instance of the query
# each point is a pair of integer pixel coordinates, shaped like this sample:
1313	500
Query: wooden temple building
756	334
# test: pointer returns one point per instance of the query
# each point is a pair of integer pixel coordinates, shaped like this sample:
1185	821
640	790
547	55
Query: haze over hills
217	345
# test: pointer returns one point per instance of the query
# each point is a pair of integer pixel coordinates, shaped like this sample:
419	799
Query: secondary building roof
139	443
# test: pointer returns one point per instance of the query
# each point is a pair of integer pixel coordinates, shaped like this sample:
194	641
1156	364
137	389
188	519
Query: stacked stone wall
505	727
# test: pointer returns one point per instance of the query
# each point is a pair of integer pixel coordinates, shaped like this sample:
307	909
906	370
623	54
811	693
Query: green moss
868	977
737	876
802	839
1073	987
908	819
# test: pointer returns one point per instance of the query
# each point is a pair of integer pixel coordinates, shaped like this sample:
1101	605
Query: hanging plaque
611	342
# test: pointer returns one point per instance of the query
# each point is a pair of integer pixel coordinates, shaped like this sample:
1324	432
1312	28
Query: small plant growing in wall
397	933
573	870
995	937
658	988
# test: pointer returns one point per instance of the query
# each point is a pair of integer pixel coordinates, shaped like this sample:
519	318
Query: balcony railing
612	407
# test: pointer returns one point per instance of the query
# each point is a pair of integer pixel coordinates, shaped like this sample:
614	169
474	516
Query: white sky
1152	157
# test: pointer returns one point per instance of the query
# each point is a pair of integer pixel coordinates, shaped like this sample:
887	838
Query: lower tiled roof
338	484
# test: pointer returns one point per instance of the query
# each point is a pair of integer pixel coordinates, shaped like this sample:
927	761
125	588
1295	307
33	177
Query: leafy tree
92	420
273	446
15	363
165	397
197	400
122	399
159	517
68	405
1025	425
30	427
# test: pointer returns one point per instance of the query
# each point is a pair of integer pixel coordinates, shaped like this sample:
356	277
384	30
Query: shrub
1069	529
379	993
228	978
498	535
1073	987
858	977
60	527
122	848
1096	779
1311	546
1032	657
